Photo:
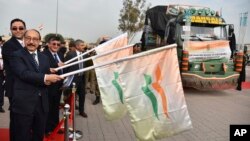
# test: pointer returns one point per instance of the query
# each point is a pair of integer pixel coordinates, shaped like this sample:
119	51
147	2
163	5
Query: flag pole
56	17
93	57
119	60
69	61
74	63
93	49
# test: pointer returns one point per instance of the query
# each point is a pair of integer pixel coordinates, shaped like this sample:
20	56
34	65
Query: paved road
211	113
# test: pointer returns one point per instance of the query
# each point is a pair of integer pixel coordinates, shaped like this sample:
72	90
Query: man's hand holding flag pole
92	57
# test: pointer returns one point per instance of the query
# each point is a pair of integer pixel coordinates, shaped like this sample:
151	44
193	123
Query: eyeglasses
54	44
19	28
33	39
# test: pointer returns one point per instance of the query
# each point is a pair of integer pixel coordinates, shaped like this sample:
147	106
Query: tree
48	36
132	17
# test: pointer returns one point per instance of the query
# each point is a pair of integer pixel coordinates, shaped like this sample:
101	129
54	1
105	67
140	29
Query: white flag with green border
153	93
111	93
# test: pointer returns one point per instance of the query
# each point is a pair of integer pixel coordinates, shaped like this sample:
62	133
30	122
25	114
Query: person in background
242	77
63	48
232	41
94	88
79	79
31	71
136	48
54	90
90	78
72	46
87	73
1	78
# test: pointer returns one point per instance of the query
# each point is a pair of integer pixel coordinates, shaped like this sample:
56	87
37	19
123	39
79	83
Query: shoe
2	110
97	100
83	114
238	88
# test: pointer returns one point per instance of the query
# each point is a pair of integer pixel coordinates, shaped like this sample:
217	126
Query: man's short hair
17	20
78	41
72	44
33	30
103	41
54	38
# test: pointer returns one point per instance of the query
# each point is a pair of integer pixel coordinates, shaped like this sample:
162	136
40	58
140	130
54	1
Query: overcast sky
90	19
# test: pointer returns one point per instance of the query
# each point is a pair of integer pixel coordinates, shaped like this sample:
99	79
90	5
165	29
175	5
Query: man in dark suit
78	78
31	71
17	28
54	90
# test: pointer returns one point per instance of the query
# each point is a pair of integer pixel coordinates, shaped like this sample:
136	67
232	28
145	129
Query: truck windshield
199	33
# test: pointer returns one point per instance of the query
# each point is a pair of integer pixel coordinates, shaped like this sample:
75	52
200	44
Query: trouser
80	90
1	88
242	76
29	127
53	115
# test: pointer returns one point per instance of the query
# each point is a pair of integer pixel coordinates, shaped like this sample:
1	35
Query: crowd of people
33	87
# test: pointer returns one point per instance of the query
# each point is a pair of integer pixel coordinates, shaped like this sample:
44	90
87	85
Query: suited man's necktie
55	57
35	60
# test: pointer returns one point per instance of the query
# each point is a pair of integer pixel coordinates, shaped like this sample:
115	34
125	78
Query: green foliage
69	38
47	37
132	16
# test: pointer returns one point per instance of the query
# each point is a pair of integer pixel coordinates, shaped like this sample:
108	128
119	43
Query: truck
203	50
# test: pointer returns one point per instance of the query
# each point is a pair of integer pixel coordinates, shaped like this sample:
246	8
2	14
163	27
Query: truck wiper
196	37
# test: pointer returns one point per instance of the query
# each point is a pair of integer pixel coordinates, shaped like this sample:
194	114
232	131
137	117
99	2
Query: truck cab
202	45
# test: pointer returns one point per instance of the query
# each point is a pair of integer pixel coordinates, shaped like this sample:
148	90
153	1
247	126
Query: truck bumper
209	82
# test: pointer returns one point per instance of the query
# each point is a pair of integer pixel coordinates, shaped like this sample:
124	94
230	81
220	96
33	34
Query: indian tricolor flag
110	90
152	90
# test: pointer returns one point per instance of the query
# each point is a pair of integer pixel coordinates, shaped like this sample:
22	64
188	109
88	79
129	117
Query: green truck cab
202	42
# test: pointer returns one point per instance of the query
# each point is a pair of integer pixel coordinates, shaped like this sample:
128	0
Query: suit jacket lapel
40	60
60	57
75	54
18	45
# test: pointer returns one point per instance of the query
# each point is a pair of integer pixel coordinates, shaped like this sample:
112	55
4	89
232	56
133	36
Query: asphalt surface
212	112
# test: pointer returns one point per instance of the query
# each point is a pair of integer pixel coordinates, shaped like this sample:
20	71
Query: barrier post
66	116
75	134
74	106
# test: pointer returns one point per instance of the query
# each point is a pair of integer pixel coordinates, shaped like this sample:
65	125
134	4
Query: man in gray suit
78	78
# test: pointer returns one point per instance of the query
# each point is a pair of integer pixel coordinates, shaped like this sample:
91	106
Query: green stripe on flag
150	94
117	86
